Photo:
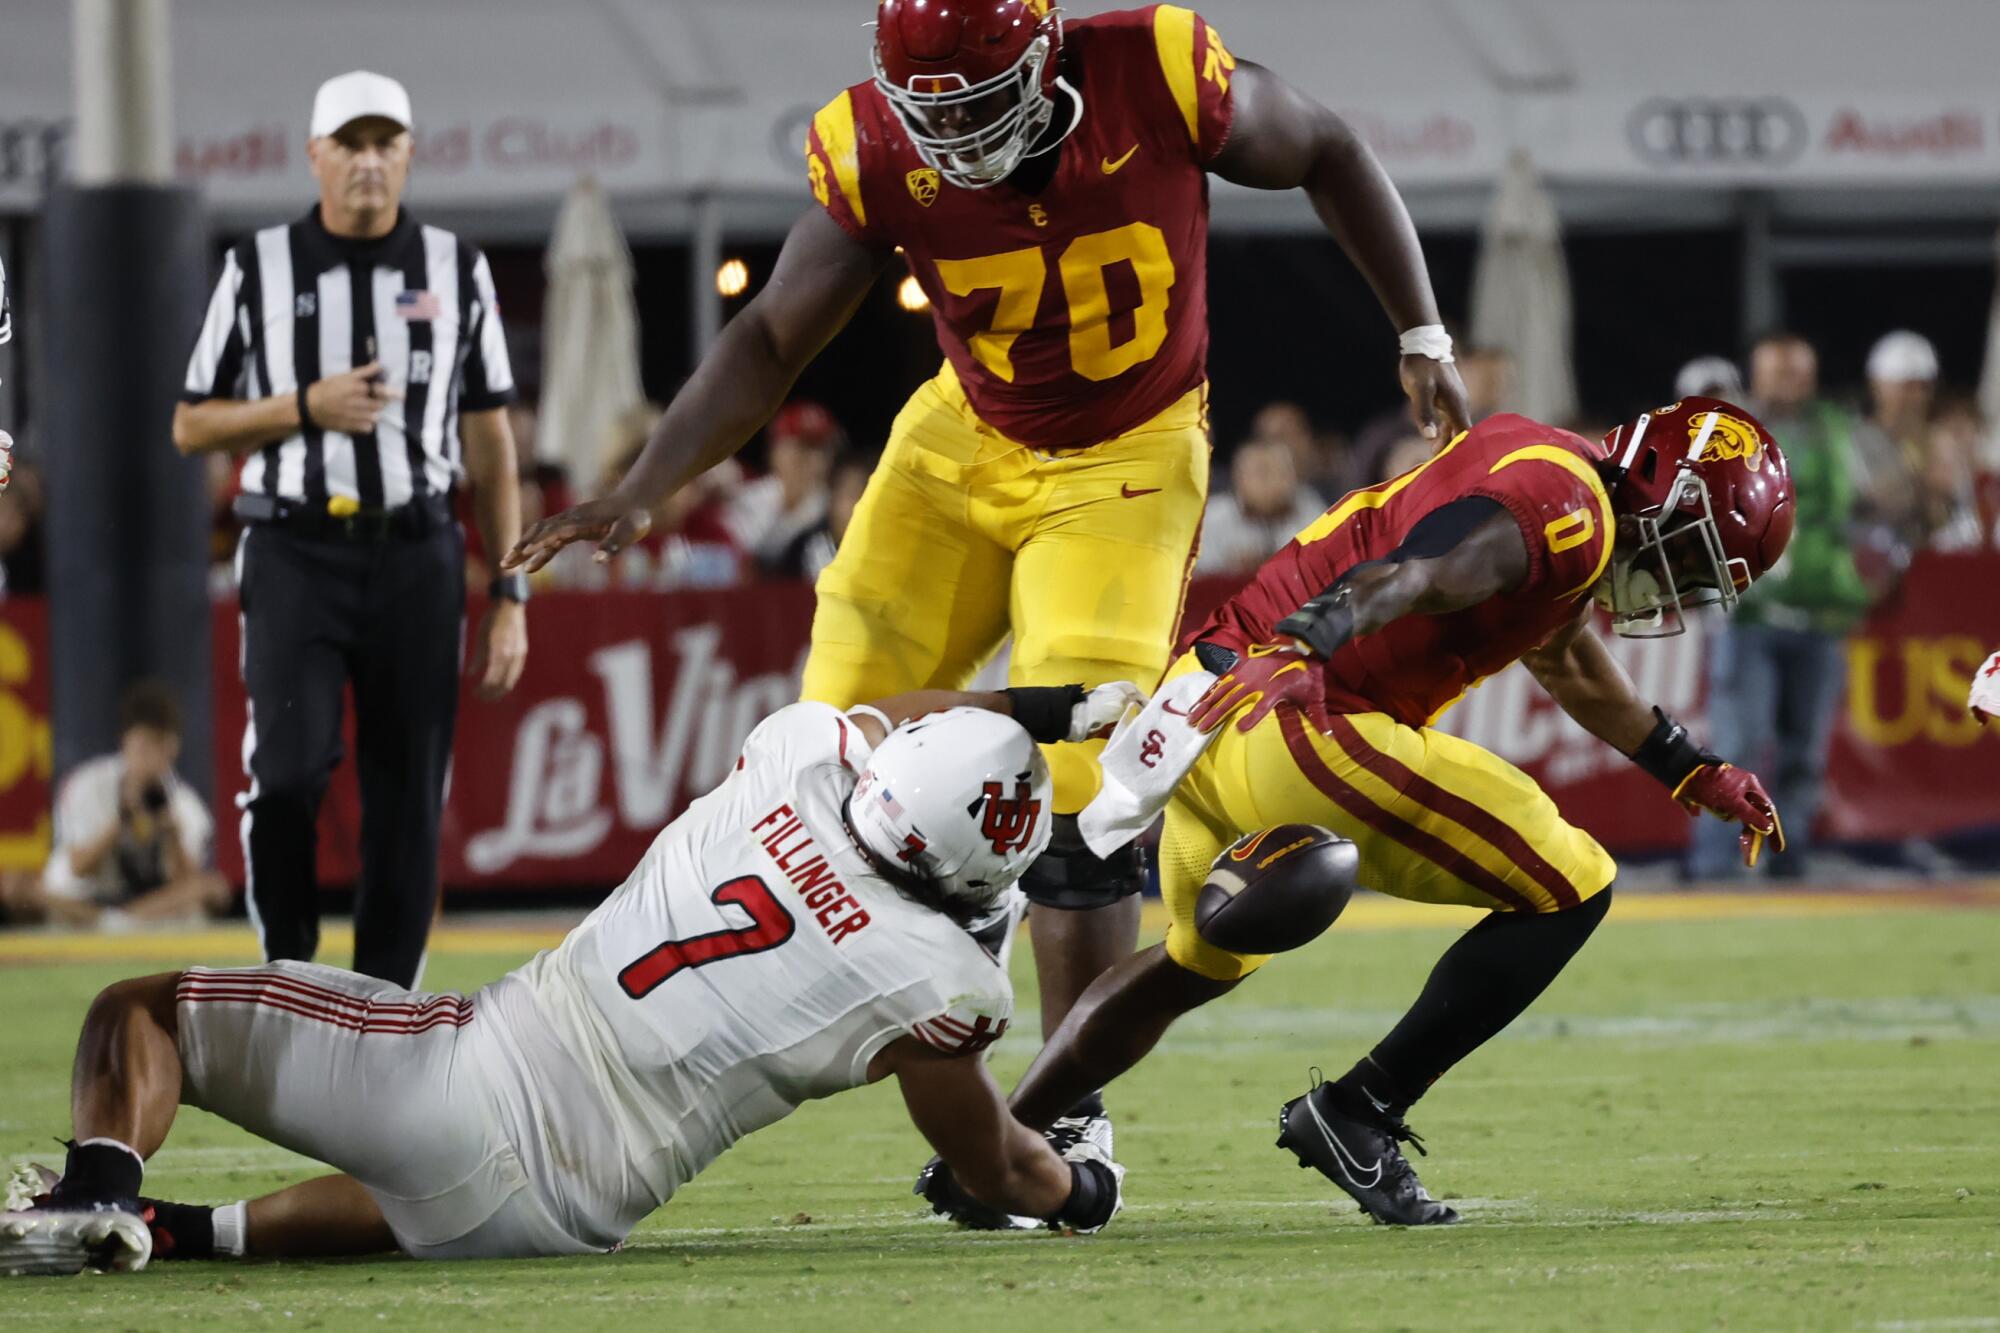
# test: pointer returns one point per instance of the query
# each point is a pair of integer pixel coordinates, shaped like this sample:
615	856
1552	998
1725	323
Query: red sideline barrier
634	703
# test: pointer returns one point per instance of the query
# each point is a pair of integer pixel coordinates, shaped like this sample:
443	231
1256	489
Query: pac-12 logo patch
923	183
1732	437
1009	822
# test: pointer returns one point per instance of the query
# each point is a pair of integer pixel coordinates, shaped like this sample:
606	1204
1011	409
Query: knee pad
1071	877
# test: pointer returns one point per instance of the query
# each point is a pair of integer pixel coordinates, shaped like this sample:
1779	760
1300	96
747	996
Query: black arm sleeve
1044	710
1440	531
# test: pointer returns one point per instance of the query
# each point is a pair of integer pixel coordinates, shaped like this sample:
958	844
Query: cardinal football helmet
960	798
972	81
1705	507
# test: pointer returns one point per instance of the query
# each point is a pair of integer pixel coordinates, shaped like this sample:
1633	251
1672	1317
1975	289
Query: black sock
181	1230
1483	982
1369	1086
98	1172
1086	1107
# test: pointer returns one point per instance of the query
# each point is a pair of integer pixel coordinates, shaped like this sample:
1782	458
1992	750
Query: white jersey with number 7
753	961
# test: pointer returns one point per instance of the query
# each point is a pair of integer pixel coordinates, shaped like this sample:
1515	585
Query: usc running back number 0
1020	275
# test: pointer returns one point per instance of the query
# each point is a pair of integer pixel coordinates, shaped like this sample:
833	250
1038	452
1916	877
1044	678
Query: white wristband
1428	340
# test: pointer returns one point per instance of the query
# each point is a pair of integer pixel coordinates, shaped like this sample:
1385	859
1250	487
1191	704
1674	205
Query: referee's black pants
386	616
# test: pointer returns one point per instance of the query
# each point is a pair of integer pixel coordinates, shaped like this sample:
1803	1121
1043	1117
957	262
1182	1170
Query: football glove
1104	708
1097	1192
1266	675
6	458
938	1187
1985	698
1734	794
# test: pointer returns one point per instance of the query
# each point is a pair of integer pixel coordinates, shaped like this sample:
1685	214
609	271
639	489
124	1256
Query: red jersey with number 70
1415	667
1079	312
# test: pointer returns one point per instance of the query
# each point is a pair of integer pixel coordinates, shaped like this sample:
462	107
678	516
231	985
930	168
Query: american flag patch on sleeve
416	305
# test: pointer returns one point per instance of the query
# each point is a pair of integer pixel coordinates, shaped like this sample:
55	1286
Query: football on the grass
1276	889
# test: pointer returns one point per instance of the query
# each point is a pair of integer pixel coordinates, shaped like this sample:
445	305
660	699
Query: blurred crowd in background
1907	462
1887	461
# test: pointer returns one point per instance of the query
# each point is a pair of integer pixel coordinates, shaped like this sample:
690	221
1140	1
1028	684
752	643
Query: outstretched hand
611	522
1266	675
1437	397
1734	794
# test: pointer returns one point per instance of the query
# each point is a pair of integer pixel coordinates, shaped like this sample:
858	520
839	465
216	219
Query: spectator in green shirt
1776	669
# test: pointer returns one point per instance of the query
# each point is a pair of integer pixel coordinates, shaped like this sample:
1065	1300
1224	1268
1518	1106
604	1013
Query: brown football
1276	889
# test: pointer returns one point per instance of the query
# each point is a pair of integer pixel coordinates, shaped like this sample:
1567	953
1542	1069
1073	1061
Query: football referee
345	357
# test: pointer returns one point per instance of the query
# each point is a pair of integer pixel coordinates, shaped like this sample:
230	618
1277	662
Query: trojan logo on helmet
1705	507
973	83
1730	437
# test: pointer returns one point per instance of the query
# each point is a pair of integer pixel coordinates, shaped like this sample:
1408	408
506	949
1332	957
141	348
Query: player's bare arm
820	279
1459	555
1283	140
1584	679
957	1107
1049	713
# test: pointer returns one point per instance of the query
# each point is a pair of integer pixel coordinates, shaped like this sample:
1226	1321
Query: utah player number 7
770	925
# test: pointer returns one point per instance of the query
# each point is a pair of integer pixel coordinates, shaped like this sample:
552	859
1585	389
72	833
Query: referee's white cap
351	96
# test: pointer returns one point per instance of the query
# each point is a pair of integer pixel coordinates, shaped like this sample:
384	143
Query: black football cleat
1356	1148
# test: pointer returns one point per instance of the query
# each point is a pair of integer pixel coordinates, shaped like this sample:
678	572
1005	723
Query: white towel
1144	761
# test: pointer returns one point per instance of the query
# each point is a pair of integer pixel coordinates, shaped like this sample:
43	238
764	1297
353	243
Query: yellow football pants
1436	819
963	536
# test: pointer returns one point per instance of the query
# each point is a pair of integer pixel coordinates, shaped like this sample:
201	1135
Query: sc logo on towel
1717	131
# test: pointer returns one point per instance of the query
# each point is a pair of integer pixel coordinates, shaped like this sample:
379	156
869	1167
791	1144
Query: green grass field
1744	1123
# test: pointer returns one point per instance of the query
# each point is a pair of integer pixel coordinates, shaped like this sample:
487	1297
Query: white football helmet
961	797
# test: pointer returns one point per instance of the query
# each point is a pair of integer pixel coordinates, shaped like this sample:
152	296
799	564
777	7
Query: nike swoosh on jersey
1111	166
1131	494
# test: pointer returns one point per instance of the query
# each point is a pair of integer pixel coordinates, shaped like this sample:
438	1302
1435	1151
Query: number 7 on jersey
771	926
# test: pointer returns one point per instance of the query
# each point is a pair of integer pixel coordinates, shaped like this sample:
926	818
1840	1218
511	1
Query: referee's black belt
419	518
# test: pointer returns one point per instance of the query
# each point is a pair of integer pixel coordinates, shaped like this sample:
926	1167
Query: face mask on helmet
1669	559
975	134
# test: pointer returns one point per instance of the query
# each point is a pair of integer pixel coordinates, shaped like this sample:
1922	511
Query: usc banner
24	736
633	704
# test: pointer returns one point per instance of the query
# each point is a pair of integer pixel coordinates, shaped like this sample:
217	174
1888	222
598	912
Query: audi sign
1717	131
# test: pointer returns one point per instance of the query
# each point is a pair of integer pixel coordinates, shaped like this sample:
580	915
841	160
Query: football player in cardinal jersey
805	928
1045	181
1330	667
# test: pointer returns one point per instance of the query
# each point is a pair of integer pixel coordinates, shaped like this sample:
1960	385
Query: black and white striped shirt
296	304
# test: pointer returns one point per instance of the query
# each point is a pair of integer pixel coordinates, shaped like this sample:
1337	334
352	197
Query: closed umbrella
590	338
1520	293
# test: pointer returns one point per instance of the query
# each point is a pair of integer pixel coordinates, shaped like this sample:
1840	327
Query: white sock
232	1228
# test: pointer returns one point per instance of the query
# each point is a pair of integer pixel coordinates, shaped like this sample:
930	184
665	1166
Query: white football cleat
56	1242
